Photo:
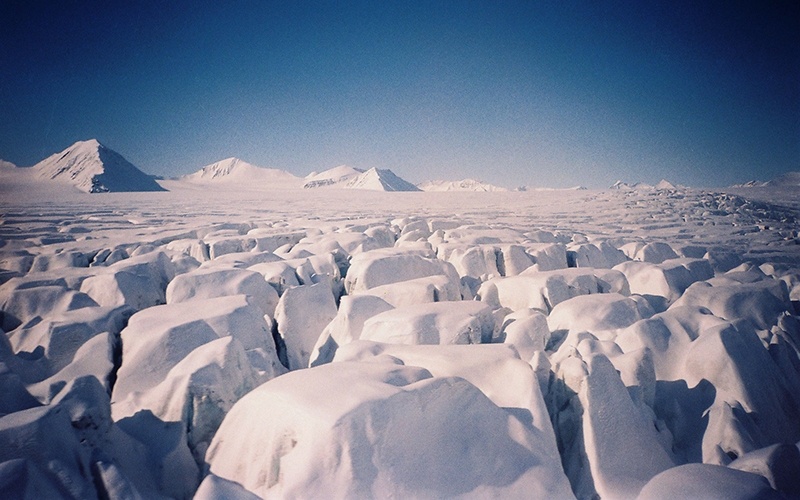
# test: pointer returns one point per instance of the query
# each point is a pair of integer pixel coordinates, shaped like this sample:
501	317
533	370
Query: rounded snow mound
391	431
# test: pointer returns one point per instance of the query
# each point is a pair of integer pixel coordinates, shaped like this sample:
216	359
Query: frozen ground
538	344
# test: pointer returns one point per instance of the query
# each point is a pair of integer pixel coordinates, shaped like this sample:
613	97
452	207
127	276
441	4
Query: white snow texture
252	334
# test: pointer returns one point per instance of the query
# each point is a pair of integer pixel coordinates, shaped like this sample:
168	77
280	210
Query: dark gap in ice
498	257
280	345
571	259
556	339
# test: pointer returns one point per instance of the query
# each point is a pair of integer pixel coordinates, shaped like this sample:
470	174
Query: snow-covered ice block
513	259
156	266
707	481
583	281
346	327
527	331
381	267
341	244
280	274
545	290
219	245
668	279
655	252
383	236
668	335
622	446
547	256
437	288
196	249
604	256
302	314
198	391
241	260
742	372
479	262
392	431
463	322
598	314
22	301
95	358
761	303
495	369
214	282
157	455
50	262
477	234
53	342
779	464
122	288
158	338
44	436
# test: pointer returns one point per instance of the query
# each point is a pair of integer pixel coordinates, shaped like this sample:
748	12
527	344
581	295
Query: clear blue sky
539	93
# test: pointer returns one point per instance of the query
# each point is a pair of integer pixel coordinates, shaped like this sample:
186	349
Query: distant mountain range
663	184
93	168
463	185
789	179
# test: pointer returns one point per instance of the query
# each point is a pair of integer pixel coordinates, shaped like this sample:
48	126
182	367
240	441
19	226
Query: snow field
427	356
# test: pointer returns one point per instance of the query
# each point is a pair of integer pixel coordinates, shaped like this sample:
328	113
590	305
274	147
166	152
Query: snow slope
462	185
93	168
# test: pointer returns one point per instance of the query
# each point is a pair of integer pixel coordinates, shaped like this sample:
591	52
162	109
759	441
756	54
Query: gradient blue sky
537	93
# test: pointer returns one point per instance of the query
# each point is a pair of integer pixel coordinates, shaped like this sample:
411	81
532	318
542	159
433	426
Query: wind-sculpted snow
233	340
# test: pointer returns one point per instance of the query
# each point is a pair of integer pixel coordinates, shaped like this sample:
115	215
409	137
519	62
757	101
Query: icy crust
289	348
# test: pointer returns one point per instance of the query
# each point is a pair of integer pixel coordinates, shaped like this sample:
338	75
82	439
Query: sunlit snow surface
609	343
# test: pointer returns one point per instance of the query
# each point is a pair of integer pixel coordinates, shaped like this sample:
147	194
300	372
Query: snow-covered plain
540	344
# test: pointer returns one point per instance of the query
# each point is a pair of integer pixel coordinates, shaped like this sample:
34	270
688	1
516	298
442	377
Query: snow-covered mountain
663	184
374	179
234	170
748	184
336	175
94	168
462	185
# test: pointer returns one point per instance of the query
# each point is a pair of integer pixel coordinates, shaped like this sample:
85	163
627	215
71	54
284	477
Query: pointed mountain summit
665	184
234	170
93	168
380	180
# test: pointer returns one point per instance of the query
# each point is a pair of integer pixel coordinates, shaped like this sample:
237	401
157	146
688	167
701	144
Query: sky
543	94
